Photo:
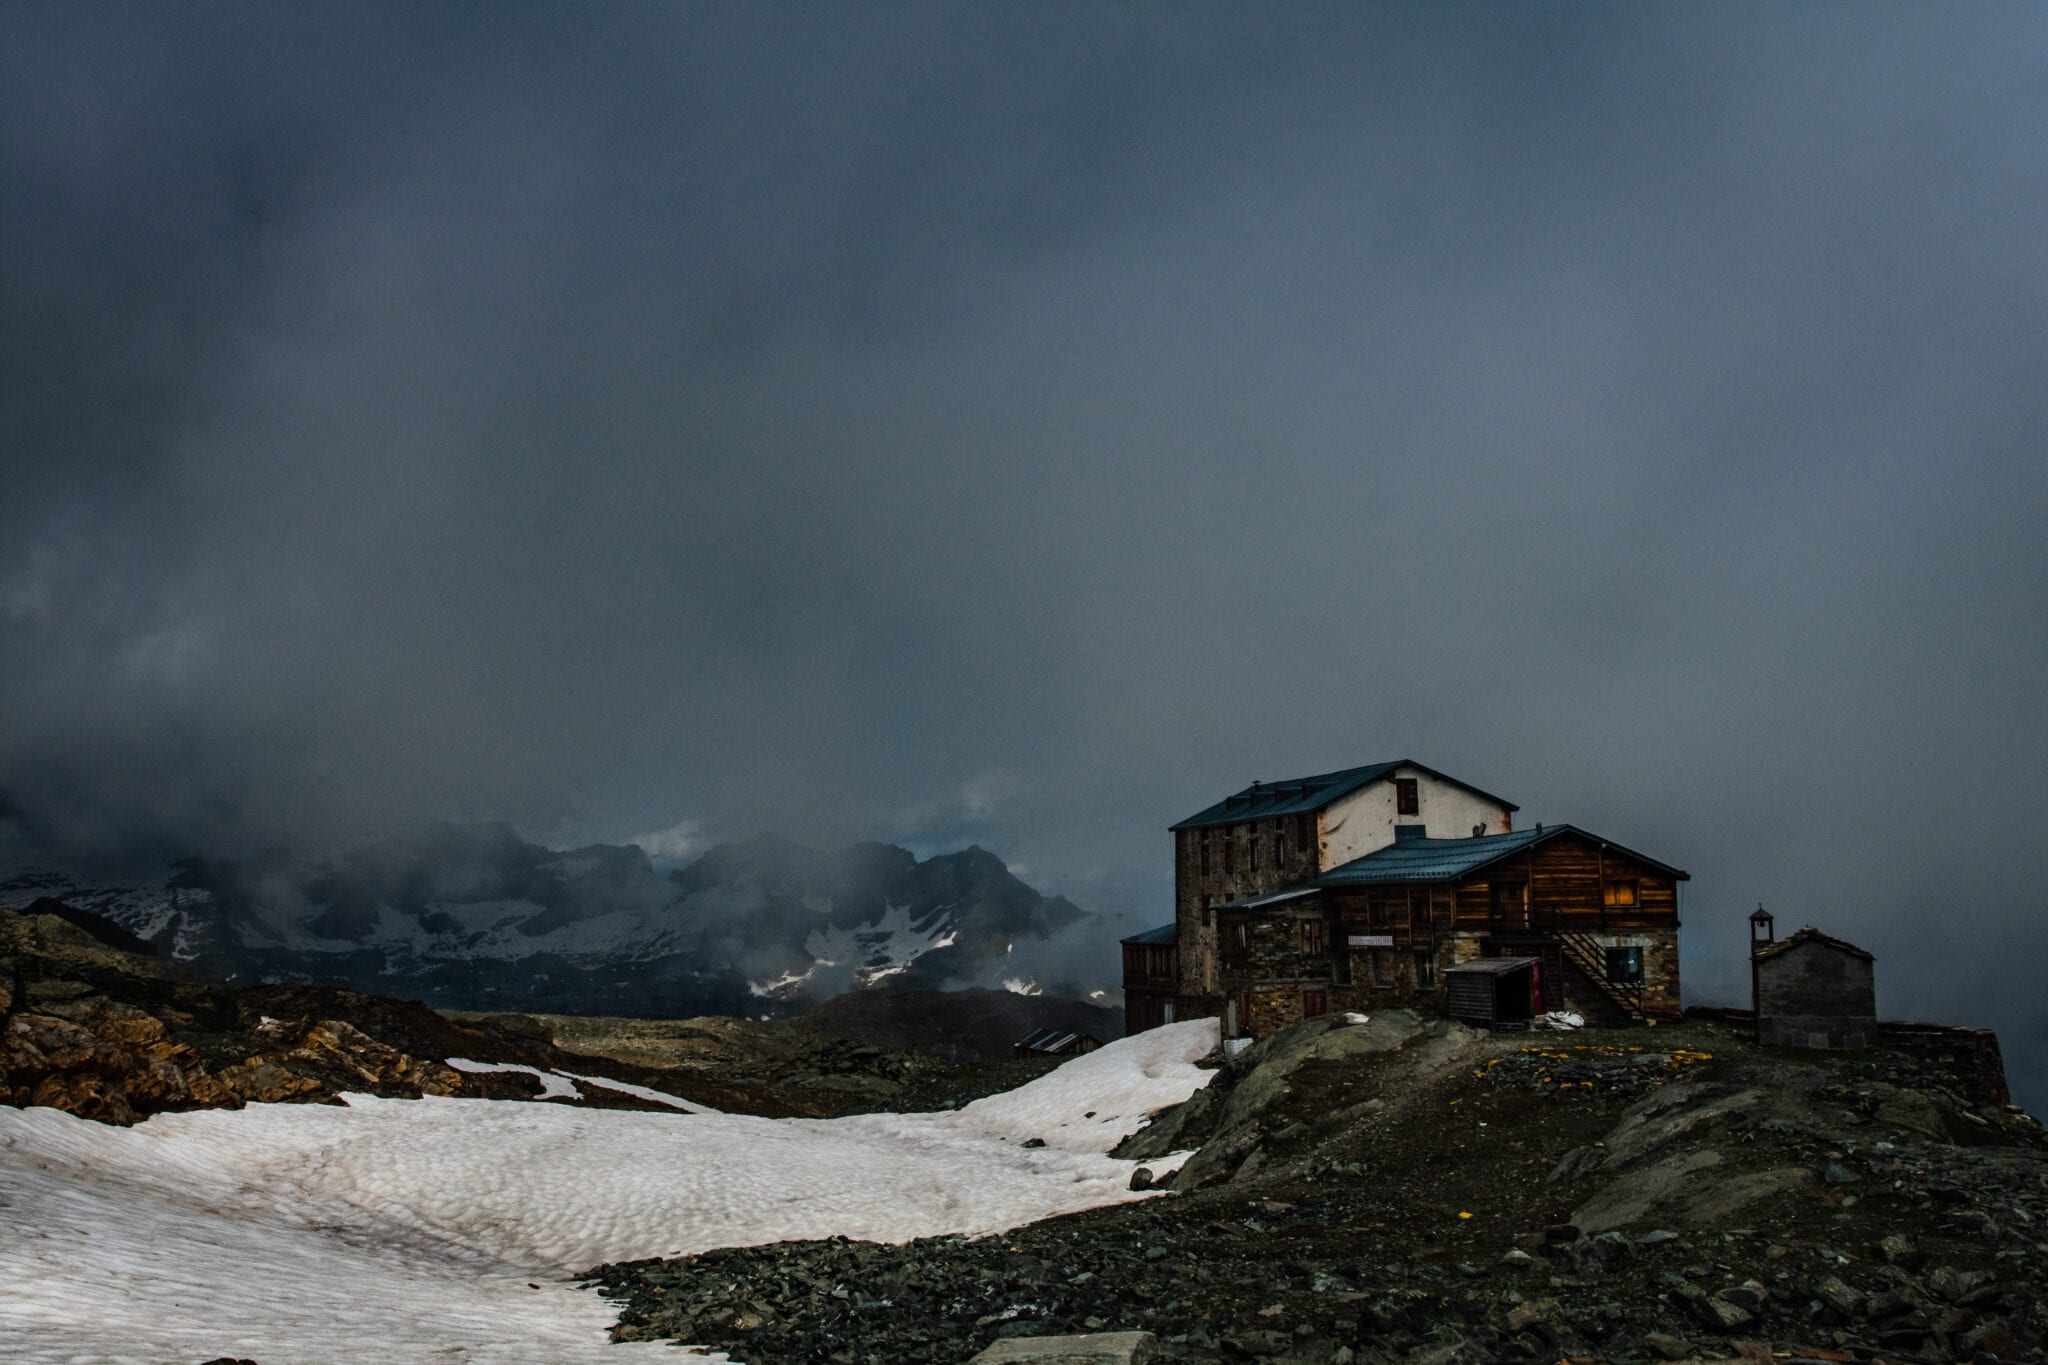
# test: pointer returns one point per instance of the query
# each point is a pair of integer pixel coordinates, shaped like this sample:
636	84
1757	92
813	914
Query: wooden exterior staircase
1584	952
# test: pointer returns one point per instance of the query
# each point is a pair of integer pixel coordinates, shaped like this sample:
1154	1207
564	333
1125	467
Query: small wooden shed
1815	990
1490	991
1055	1042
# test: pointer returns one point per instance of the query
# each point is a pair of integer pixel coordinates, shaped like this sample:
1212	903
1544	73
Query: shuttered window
1312	944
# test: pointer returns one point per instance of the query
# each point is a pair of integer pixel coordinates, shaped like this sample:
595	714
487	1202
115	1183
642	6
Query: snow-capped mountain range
473	916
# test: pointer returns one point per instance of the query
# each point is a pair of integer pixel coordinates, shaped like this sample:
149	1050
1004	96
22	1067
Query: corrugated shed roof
1493	966
1299	795
1812	935
1165	933
1444	860
1269	898
1047	1039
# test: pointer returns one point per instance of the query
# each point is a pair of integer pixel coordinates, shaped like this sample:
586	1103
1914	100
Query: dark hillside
115	1035
955	1025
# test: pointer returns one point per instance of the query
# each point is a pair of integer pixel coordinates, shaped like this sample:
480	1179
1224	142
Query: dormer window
1407	796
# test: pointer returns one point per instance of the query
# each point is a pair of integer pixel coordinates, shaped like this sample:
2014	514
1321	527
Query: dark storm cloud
795	417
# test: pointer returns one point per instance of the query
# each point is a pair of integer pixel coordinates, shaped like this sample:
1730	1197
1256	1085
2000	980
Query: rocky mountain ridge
475	917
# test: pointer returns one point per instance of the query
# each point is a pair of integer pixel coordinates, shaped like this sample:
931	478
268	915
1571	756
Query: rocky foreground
1413	1191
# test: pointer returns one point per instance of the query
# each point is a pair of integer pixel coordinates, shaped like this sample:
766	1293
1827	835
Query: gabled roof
1298	795
1811	935
1165	933
1447	860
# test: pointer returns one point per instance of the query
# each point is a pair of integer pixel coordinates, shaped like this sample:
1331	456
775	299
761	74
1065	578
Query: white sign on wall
1372	940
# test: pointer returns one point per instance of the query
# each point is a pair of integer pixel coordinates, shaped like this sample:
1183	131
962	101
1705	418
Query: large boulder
1264	1074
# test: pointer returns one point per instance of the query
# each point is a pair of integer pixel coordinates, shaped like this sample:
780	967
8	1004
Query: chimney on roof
1255	784
1406	834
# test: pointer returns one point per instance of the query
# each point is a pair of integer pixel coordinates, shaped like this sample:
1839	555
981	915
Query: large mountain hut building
1397	884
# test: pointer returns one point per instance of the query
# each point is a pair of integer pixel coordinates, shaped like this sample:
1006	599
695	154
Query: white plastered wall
1365	820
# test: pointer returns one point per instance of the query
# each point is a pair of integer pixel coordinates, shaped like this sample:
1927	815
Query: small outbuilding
1815	990
1488	992
1055	1042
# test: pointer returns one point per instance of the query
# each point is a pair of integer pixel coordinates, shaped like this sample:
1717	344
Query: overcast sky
1026	423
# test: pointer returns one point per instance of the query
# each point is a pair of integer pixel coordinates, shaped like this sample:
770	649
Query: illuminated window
1620	895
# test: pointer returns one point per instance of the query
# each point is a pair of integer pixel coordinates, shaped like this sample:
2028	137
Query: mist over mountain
475	916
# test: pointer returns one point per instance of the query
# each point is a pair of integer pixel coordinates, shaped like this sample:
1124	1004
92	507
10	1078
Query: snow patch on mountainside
887	946
145	913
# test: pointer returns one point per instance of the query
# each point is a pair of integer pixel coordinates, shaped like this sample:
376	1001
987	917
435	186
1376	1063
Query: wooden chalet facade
1332	893
1151	979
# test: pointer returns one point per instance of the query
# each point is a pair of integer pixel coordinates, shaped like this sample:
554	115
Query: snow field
409	1229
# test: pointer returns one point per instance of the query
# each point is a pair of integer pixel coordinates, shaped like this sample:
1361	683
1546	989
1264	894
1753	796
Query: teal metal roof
1299	795
1165	933
1445	860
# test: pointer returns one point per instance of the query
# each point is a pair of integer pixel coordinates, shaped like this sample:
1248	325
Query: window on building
1625	966
1312	943
1305	832
1237	942
1229	854
1620	895
1280	848
1407	796
1314	1004
1507	898
1205	912
1425	970
1205	853
1251	850
1382	967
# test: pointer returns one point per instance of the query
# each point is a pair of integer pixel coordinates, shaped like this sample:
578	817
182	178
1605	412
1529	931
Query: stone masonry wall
1969	1054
